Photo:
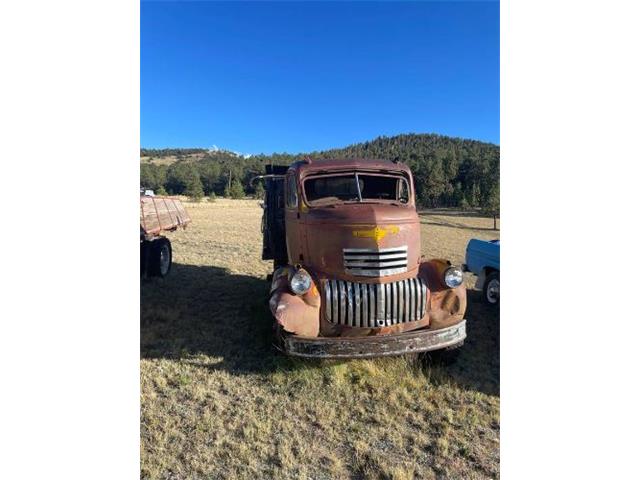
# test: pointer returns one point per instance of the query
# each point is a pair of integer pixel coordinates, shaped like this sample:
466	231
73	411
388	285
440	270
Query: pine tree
492	205
475	196
236	190
194	188
259	194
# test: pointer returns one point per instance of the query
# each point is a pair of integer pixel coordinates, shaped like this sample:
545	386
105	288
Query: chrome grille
374	305
371	262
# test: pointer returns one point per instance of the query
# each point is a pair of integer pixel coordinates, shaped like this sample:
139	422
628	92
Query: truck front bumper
374	346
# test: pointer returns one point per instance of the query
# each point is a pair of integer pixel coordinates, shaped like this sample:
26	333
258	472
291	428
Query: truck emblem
376	232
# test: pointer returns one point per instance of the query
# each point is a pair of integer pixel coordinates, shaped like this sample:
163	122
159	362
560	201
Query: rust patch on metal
366	347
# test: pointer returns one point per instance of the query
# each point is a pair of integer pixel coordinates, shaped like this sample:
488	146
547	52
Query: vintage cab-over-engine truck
348	277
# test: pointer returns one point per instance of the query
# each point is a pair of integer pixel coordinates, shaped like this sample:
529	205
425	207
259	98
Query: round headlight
453	277
300	282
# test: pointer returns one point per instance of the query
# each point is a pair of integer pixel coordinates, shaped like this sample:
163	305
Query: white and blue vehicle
483	259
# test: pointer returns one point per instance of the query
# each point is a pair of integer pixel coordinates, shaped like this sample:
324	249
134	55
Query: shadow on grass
460	226
478	366
207	310
452	212
440	212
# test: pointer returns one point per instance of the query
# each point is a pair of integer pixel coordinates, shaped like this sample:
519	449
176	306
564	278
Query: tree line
448	172
165	152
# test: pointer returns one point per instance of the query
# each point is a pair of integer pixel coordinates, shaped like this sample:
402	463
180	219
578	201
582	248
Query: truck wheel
160	257
491	289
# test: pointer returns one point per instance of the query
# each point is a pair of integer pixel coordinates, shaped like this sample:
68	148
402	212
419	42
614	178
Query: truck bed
161	214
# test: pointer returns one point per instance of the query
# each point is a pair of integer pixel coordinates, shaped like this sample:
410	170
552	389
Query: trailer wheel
491	289
160	257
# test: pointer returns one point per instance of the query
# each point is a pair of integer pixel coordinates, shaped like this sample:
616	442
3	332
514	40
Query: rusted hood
375	227
362	213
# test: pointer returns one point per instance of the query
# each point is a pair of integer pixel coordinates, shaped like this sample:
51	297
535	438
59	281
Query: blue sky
296	77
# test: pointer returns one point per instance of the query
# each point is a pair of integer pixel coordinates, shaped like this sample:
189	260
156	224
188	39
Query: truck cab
349	279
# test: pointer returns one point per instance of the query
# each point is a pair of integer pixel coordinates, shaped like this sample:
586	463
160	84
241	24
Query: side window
403	191
292	192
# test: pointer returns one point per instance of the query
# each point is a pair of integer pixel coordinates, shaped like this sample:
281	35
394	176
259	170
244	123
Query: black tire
277	343
491	289
160	257
443	357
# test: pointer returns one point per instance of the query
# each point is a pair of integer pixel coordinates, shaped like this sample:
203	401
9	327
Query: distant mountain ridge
407	137
448	171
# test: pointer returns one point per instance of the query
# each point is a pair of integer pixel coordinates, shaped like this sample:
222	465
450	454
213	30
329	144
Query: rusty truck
349	279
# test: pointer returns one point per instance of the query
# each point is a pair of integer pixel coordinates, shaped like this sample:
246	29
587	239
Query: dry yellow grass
218	403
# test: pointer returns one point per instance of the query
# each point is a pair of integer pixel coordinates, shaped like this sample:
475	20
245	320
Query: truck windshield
355	187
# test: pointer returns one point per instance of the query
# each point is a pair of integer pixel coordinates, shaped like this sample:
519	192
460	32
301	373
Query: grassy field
216	402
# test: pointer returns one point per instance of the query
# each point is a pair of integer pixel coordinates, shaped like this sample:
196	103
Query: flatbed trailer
158	215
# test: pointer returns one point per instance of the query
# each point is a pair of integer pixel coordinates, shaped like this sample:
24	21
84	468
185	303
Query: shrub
236	191
194	189
259	193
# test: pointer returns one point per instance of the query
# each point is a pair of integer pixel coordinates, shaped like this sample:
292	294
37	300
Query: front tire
491	289
160	258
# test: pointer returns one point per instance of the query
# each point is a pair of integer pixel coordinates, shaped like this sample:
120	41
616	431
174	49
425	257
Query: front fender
299	315
446	305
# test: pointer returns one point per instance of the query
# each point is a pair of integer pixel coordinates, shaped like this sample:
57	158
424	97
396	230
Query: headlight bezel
453	276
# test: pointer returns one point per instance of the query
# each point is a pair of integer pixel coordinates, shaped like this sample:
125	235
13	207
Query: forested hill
447	171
